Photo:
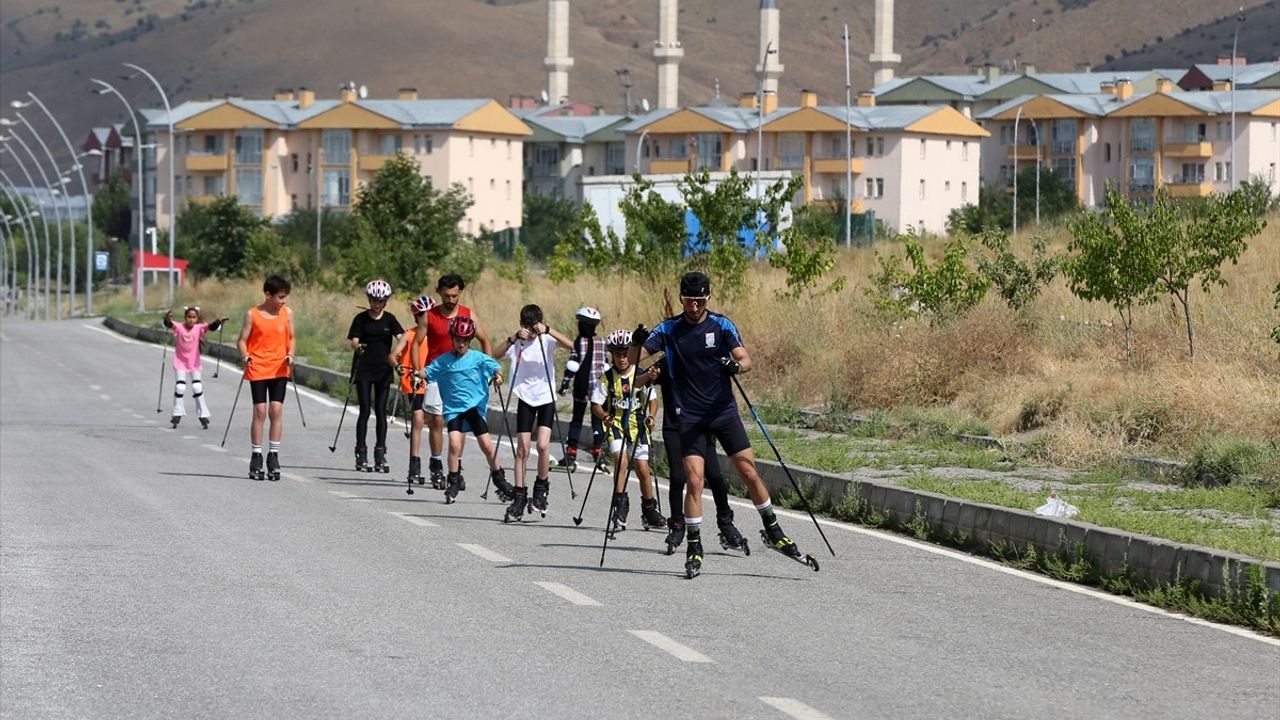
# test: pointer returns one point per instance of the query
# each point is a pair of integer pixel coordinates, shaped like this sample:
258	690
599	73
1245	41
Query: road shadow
204	476
633	571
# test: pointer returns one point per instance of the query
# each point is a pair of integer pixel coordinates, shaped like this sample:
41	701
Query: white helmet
589	313
378	289
618	340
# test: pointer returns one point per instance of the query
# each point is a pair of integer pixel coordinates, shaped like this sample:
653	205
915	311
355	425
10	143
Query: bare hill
202	48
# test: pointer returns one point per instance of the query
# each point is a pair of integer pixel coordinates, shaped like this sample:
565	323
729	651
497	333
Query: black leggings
373	396
713	478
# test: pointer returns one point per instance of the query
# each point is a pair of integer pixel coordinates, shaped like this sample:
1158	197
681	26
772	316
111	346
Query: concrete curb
1148	560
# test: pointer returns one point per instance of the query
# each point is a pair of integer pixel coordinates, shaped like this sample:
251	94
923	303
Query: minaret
667	53
770	67
557	62
882	56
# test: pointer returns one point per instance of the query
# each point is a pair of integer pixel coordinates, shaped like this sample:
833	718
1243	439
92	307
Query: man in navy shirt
703	352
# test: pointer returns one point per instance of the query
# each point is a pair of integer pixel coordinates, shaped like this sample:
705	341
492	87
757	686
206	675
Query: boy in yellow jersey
617	401
402	361
267	345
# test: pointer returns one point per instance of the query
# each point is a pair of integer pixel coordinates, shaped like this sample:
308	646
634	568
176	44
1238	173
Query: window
922	148
946	186
389	144
546	160
213	185
871	147
791	150
1194	132
921	188
293	202
471	147
709	151
837	147
880	146
879	187
1004	173
1004	134
294	161
871	188
964	151
337	187
1218	174
615	160
508	190
248	147
1273	132
210	145
1191	173
428	143
188	185
1106	152
679	149
1064	136
249	186
1142	175
337	150
964	192
471	185
417	144
1066	168
1142	135
1222	131
509	146
948	146
1271	171
1033	134
493	184
493	144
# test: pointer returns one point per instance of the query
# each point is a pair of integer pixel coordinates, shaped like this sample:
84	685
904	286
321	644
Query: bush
1218	461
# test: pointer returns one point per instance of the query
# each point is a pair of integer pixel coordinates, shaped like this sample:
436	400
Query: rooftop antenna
364	92
545	97
644	104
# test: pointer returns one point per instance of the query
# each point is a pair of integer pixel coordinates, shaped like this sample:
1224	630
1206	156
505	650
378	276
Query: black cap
695	284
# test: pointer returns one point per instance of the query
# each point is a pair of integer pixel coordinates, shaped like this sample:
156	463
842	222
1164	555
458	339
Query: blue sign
100	261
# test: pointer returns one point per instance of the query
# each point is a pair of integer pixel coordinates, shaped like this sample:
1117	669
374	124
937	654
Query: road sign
100	261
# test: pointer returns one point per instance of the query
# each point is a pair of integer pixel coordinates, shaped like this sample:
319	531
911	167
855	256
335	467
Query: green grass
843	454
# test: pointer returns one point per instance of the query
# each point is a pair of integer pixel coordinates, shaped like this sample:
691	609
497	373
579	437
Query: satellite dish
364	92
644	104
545	97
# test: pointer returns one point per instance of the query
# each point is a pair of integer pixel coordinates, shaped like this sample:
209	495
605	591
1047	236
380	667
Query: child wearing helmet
401	360
628	420
588	350
372	335
186	361
463	377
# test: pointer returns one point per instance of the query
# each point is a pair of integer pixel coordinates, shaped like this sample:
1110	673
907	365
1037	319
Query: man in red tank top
438	342
267	345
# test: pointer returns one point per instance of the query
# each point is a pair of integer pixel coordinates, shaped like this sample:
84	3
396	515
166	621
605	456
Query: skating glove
570	369
639	335
730	366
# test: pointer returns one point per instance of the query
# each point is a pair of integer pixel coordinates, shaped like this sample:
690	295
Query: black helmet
695	284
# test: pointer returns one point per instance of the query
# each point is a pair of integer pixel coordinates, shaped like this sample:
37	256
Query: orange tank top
268	345
406	359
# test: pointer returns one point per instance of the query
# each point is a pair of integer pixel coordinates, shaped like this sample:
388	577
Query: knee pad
180	388
197	388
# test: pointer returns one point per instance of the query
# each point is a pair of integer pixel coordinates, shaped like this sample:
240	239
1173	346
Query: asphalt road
143	575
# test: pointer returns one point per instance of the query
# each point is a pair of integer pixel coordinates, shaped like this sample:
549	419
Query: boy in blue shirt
464	377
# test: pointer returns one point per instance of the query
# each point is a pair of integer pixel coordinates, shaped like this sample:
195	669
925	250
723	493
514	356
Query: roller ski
204	423
255	467
273	467
437	474
731	539
600	459
173	421
515	511
541	489
693	560
618	517
380	460
675	535
506	491
568	463
778	541
362	460
649	515
415	474
453	485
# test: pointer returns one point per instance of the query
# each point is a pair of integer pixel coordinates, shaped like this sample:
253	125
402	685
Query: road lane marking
188	437
215	448
483	552
115	335
4	338
295	478
95	388
567	593
151	422
681	652
105	396
348	496
795	708
413	519
135	415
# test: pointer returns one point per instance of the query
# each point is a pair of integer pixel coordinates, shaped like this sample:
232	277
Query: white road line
95	388
483	552
413	519
105	396
215	448
4	338
188	437
135	415
681	652
795	708
115	335
295	478
567	593
151	422
313	395
349	496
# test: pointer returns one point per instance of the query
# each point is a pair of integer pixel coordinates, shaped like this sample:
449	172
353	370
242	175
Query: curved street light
55	193
173	198
48	275
142	208
33	244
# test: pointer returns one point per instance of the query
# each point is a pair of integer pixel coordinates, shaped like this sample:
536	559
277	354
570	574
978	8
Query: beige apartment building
296	151
911	165
1138	142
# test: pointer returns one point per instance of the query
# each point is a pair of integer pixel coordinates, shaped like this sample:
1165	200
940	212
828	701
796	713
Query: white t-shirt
529	377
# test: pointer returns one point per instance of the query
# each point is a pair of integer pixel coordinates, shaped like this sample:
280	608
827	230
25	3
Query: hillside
200	48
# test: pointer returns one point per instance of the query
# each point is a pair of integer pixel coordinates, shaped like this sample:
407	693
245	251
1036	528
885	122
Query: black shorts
261	389
697	438
415	402
675	453
473	418
528	416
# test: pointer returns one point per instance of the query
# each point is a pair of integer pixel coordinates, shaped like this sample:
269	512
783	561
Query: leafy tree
994	210
1275	332
809	252
546	221
403	228
1018	281
942	293
297	232
219	237
111	210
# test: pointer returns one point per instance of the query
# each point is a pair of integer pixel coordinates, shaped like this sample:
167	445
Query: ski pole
506	423
595	467
233	411
296	395
164	353
555	412
626	476
351	378
218	367
781	462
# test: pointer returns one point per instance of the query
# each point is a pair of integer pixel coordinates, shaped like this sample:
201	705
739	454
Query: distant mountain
494	48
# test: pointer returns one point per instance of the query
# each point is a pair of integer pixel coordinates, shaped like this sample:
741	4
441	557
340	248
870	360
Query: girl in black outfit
373	333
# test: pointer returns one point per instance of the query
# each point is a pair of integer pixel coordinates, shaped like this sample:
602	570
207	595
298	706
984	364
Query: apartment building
911	165
564	149
1138	142
297	151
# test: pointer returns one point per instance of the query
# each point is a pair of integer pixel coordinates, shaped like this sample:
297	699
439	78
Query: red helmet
421	304
463	328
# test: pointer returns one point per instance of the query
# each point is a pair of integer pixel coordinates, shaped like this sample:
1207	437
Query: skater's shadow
593	568
369	483
205	476
319	467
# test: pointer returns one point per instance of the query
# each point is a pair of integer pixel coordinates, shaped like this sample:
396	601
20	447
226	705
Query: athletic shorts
696	438
432	403
415	402
528	416
474	418
671	443
273	388
641	449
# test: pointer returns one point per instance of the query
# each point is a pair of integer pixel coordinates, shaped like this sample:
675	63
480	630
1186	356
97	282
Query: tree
221	232
546	221
994	210
403	228
1018	281
808	253
942	293
111	210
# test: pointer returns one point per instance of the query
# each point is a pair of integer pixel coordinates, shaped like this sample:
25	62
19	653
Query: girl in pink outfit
186	361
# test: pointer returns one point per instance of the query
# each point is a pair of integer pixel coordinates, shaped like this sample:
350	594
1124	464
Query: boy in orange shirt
267	345
401	360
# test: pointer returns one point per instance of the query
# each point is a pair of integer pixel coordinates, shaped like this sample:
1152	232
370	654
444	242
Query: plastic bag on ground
1056	507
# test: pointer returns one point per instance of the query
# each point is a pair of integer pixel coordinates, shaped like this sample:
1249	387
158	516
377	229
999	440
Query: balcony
1064	147
1142	185
201	199
1025	152
1189	187
665	167
836	165
1188	150
373	163
208	163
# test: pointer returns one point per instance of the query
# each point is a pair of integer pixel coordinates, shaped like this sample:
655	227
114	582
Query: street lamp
1016	118
53	191
137	134
88	205
33	260
173	207
48	275
1235	39
848	143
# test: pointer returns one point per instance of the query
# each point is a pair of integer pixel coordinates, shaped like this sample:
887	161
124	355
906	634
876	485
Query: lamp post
88	206
173	208
640	148
1235	39
137	134
33	254
1016	118
848	144
48	275
55	190
764	69
1036	131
